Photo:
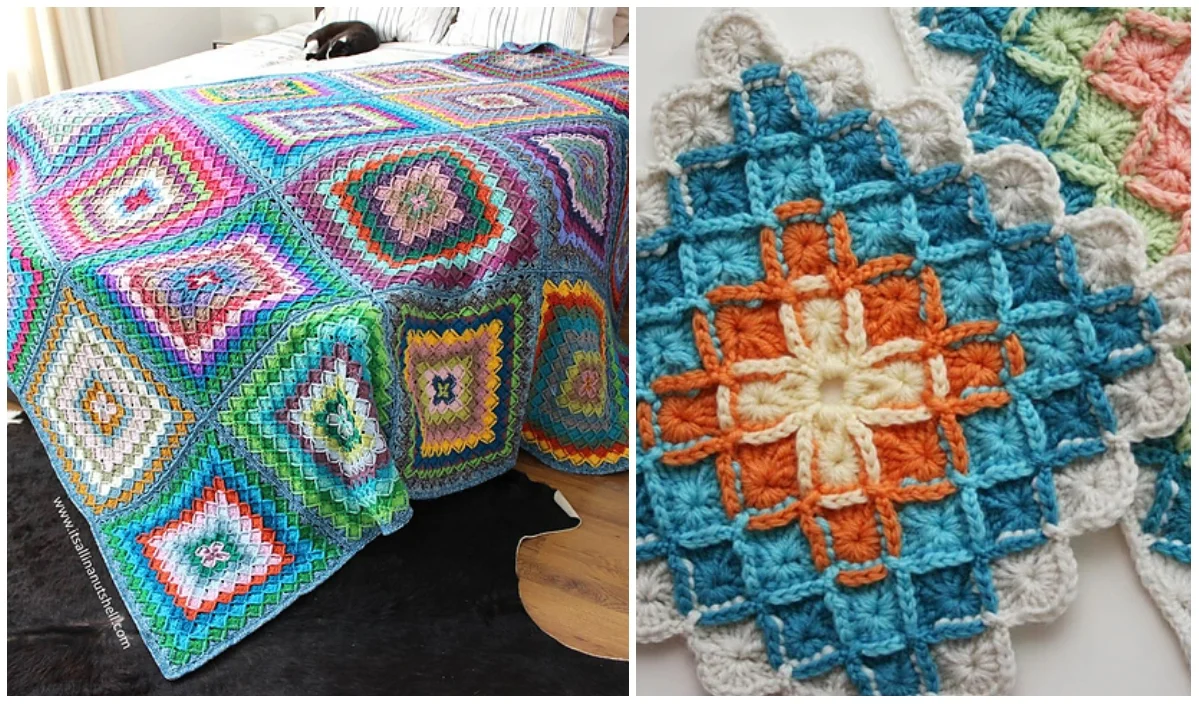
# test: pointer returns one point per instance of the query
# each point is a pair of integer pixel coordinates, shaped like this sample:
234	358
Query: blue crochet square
1175	528
944	216
1050	345
708	577
646	524
785	175
688	498
1017	105
771	106
997	440
1068	417
855	157
968	289
1078	197
878	228
894	674
659	279
718	190
801	630
1169	516
933	529
981	22
1117	327
664	349
728	260
779	559
949	599
1032	272
1011	511
871	616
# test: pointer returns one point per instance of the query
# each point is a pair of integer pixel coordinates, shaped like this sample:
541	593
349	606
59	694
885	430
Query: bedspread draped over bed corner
251	320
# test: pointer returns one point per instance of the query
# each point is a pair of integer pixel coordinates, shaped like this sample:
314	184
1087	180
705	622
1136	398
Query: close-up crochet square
884	374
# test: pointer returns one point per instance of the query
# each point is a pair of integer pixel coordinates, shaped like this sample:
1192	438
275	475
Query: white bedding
282	52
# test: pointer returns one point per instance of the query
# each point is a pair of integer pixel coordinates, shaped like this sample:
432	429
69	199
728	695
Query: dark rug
431	609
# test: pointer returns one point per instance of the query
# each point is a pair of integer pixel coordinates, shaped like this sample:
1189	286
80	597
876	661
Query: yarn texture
1106	94
882	379
252	320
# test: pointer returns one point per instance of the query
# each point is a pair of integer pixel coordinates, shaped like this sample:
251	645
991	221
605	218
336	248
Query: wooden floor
575	584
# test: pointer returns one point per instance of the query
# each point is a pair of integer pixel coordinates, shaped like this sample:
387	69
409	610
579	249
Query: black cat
341	39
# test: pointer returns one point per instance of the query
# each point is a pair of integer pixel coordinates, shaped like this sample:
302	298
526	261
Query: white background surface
1112	639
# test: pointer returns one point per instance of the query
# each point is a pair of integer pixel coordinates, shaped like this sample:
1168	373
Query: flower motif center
212	554
832	389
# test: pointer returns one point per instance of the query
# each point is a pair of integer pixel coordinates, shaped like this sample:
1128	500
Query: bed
278	53
257	305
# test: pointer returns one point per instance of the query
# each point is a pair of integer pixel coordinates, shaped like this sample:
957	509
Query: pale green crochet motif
1087	127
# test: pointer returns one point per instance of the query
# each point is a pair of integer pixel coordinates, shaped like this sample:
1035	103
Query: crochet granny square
1104	92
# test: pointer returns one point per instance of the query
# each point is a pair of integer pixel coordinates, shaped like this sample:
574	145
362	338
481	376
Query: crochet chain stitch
881	380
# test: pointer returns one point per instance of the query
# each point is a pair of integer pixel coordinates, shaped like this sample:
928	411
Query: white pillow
396	24
586	30
620	31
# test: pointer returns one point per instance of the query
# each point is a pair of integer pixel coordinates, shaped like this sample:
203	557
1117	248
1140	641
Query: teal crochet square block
1169	517
810	220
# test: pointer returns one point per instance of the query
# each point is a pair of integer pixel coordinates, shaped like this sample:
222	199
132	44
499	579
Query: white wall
148	36
152	35
238	22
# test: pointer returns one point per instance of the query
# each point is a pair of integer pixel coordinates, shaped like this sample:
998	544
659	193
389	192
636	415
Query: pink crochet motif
1144	64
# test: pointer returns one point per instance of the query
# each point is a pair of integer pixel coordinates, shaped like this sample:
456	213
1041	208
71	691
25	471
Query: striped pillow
396	24
586	30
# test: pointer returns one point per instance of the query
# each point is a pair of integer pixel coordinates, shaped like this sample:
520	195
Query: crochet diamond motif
159	181
314	413
465	364
209	554
209	539
881	381
578	402
462	210
492	104
122	425
51	137
836	385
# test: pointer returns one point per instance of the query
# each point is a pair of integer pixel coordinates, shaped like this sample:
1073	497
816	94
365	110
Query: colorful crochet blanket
882	379
252	320
1105	93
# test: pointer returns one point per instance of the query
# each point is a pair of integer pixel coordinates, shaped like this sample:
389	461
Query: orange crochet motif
835	394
